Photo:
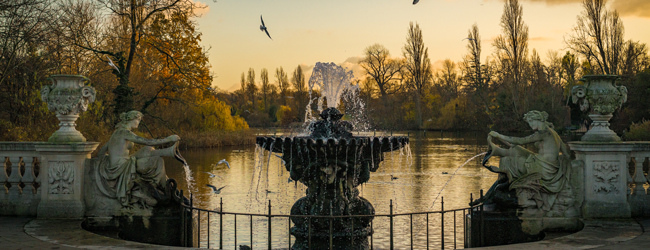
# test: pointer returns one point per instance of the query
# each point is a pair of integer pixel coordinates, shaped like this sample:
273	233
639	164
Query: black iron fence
205	228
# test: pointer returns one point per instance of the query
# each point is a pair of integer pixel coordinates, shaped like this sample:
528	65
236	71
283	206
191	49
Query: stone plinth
605	178
62	170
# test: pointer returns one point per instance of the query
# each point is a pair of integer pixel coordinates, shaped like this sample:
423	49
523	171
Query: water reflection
419	180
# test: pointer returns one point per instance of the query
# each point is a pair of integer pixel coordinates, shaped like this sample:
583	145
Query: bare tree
266	87
283	84
22	27
512	51
298	80
251	88
477	76
385	71
418	73
598	36
635	58
25	62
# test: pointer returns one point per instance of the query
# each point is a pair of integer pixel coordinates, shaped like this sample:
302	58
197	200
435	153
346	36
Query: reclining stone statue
540	181
136	181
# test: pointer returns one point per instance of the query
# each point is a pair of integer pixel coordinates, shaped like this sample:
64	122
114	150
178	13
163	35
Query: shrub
638	132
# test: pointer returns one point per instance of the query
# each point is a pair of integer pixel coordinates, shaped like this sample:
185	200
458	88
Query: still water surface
252	182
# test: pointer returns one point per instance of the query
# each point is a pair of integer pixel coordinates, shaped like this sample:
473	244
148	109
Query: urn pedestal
67	97
601	97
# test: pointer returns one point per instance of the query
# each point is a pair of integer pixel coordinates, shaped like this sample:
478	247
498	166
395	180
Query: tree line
138	54
405	92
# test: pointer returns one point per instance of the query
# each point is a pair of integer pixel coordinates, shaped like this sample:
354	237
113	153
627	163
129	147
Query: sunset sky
307	31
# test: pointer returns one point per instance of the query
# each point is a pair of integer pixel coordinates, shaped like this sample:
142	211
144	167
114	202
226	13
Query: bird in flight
215	190
110	63
263	27
213	175
393	177
471	39
222	161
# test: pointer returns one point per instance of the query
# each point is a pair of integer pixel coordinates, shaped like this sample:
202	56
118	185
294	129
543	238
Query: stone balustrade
638	179
20	178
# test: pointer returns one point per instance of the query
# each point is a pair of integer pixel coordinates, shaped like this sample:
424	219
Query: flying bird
110	63
215	189
471	39
213	175
415	1
222	161
263	27
393	177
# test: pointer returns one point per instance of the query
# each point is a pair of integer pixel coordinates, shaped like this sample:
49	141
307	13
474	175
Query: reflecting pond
418	179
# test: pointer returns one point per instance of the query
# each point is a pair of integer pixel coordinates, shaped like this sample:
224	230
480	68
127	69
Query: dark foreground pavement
29	233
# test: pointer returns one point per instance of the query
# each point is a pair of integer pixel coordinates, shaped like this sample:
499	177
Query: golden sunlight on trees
126	47
417	72
118	38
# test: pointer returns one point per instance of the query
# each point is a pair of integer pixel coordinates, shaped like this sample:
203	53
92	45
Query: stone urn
601	97
67	97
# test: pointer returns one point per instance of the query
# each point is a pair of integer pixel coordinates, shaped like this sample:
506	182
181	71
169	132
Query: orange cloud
639	8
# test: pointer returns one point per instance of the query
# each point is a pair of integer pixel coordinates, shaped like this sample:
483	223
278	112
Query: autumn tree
179	74
128	26
417	67
384	70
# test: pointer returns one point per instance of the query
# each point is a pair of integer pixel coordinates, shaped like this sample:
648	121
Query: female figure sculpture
539	177
118	172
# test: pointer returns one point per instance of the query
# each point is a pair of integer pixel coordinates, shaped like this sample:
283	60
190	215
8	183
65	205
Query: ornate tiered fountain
332	163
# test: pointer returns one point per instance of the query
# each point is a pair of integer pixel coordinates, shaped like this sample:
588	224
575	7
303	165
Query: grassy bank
216	139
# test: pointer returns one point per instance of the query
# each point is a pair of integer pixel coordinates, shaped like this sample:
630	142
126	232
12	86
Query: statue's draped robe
116	181
527	170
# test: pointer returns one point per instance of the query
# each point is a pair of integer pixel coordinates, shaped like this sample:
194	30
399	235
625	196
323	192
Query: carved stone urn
67	97
601	97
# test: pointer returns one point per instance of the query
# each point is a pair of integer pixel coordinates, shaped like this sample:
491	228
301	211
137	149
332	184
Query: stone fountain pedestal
332	164
62	178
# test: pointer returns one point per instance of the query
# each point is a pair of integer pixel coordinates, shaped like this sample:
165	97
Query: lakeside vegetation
148	58
142	55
